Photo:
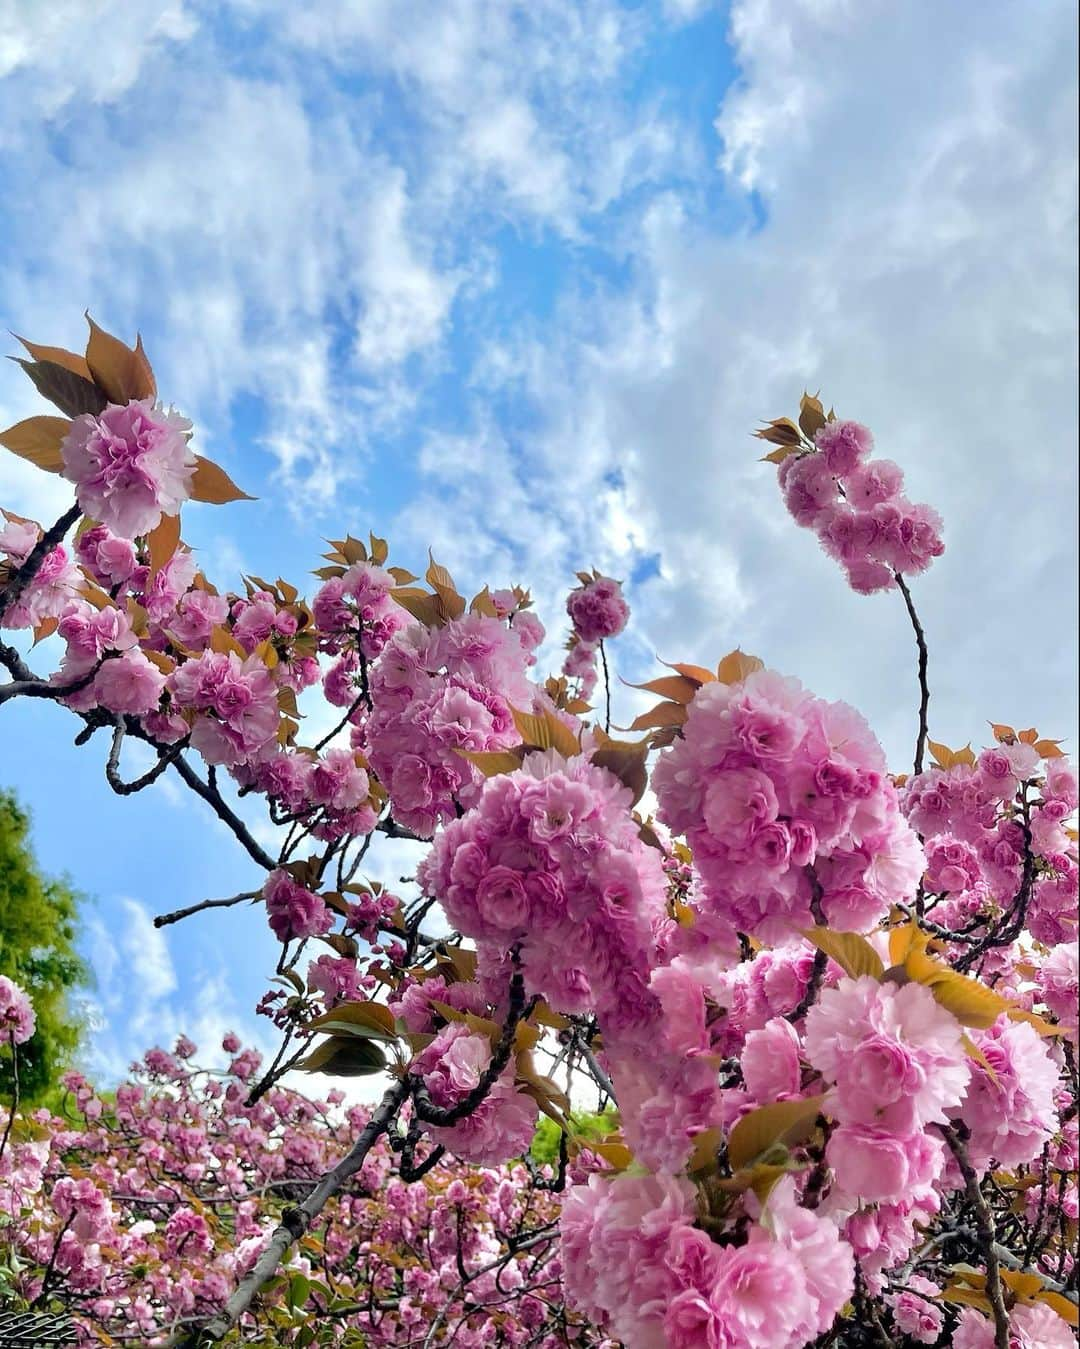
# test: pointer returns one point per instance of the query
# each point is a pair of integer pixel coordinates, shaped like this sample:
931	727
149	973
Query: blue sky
516	281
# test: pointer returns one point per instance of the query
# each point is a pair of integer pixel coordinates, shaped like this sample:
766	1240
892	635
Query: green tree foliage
589	1128
38	924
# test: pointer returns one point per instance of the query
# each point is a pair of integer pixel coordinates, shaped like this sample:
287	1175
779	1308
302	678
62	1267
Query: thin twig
164	919
607	691
924	687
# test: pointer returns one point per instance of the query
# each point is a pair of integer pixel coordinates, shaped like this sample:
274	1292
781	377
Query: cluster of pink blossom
502	1125
783	1124
580	665
981	819
17	1018
635	1261
549	862
1009	1105
894	1062
1031	1326
331	792
782	795
131	464
144	1209
293	911
856	507
356	617
435	693
597	609
54	585
235	704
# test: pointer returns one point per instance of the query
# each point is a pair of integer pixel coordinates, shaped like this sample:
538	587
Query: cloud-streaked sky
516	281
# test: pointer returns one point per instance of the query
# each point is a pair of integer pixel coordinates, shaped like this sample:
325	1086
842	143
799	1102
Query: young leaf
627	762
677	688
663	714
785	1122
811	416
703	1157
778	455
736	666
420	603
1021	1284
72	394
966	1297
451	603
222	640
903	940
972	1003
483	604
123	373
546	732
58	356
493	762
780	431
947	758
852	953
211	483
1033	1019
617	1155
697	673
162	542
1067	1310
365	1020
38	439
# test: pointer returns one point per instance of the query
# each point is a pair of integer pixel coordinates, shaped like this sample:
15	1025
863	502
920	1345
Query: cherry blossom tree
833	1005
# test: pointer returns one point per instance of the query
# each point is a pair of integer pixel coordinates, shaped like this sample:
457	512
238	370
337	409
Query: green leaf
546	732
344	1056
852	953
299	1288
784	1122
493	762
366	1020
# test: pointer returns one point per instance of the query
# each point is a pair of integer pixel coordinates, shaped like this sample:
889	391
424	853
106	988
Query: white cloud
51	42
406	301
917	262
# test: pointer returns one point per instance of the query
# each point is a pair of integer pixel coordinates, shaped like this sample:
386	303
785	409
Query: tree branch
296	1221
984	1223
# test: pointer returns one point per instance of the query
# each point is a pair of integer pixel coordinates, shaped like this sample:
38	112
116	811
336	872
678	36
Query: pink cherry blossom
131	464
